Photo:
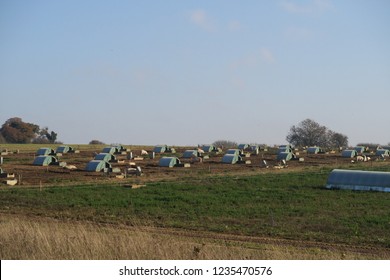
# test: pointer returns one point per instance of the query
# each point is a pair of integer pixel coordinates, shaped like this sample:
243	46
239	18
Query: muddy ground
27	174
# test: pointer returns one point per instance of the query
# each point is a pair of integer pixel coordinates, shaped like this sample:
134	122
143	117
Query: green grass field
293	205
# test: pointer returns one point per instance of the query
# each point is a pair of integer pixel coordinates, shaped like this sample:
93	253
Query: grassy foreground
288	205
43	238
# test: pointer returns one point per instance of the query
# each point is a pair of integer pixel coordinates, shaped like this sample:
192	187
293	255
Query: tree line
310	133
306	133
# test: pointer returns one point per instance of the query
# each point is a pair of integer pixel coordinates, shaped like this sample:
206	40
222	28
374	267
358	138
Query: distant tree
311	133
225	144
14	130
338	140
52	136
2	139
96	142
46	137
307	133
40	140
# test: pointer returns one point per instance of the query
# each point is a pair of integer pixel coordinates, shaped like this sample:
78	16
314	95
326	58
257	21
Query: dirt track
275	241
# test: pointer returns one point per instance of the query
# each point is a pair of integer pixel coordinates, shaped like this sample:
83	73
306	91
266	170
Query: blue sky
192	72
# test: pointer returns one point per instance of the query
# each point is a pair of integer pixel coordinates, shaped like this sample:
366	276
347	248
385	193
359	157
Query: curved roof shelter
288	146
44	160
359	149
110	150
106	157
98	165
64	149
255	149
313	150
121	148
243	146
160	149
285	155
384	152
359	180
45	152
190	154
349	153
231	158
233	152
284	149
168	161
209	148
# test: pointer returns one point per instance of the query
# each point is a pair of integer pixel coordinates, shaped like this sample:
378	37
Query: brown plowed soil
30	175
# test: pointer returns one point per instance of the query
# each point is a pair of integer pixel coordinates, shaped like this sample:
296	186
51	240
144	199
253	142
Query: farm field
21	164
208	211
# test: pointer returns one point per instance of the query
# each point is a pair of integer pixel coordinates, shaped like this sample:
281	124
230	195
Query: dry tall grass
43	239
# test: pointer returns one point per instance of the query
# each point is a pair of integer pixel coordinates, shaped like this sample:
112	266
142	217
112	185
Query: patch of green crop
289	205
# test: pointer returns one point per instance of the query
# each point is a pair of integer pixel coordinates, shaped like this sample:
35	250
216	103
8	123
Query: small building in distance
243	146
45	160
111	150
169	162
285	156
98	166
285	152
121	149
255	149
360	149
382	153
233	152
161	149
106	157
65	149
349	153
45	152
231	158
285	149
191	154
314	150
210	149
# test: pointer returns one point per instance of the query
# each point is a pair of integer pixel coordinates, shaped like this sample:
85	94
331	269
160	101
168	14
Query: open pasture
276	213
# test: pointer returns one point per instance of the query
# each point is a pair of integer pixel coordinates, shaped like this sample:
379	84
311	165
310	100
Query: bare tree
307	133
311	133
225	144
46	137
338	140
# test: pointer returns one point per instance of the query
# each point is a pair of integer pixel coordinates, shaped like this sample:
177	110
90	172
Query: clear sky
192	72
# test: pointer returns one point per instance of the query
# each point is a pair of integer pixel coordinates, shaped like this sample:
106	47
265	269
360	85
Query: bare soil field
29	175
